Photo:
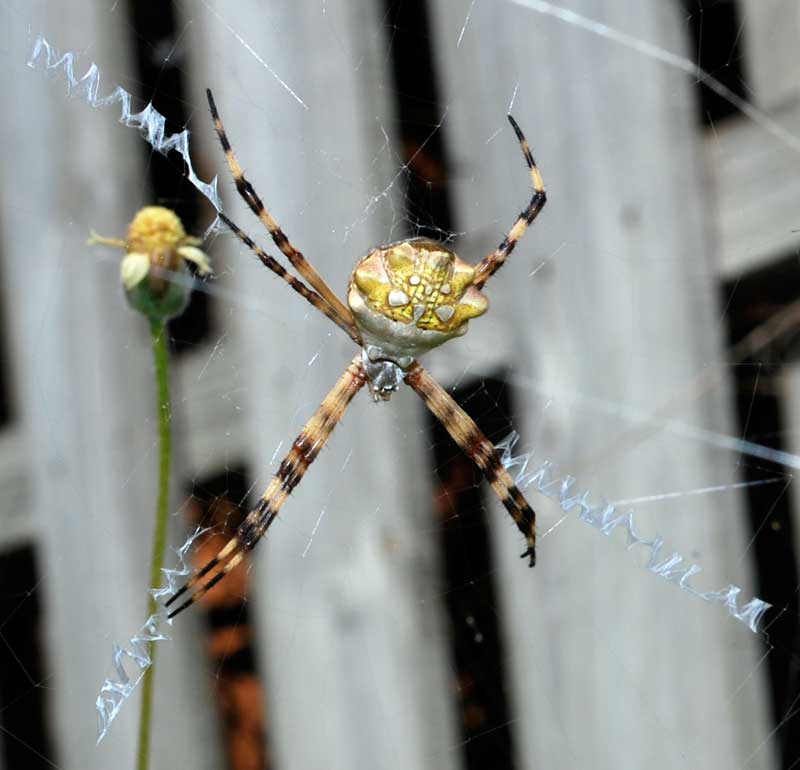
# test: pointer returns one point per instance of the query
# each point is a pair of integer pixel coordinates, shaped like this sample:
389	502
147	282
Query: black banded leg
304	451
296	284
479	449
295	257
491	264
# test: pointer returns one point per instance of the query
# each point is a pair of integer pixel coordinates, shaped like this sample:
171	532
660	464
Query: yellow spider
403	300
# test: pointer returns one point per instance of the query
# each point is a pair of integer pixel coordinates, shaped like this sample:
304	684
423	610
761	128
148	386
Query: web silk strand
130	665
149	122
605	517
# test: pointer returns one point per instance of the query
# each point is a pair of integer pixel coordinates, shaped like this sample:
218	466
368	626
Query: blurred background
642	338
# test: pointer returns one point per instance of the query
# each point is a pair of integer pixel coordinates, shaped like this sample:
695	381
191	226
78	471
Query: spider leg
491	264
295	257
479	449
294	282
304	451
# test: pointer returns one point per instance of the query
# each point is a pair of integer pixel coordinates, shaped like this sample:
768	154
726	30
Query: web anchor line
114	692
150	123
606	518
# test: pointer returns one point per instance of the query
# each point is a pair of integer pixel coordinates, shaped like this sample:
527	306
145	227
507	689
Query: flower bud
153	271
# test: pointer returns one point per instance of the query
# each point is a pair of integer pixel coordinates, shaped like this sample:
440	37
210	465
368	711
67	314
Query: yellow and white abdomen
410	297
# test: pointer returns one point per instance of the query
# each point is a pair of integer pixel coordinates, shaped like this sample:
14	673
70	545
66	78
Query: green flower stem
158	334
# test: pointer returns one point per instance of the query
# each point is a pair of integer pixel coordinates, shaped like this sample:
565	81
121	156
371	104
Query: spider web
382	633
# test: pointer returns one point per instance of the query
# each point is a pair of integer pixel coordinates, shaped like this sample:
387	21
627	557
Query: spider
403	300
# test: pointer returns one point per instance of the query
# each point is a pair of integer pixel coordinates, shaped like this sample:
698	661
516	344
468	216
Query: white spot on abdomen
397	298
444	313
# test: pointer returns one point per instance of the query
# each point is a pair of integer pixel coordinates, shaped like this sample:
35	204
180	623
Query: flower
157	248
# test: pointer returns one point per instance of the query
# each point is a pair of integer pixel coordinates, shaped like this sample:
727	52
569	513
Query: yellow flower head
155	228
156	239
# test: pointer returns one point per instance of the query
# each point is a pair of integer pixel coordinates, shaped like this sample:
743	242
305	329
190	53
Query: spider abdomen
412	296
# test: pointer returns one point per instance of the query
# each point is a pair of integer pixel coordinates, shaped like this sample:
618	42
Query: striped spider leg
489	266
473	443
295	257
403	300
304	451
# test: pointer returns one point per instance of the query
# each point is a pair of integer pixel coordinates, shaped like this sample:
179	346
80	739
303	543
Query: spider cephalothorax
403	300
